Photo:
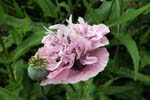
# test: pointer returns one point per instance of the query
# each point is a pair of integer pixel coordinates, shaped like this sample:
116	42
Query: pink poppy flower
74	52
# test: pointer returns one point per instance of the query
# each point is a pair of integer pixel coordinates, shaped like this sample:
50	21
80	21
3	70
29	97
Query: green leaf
8	41
71	93
65	6
117	89
93	14
1	14
83	91
3	71
115	10
128	16
145	55
20	31
36	90
25	27
102	96
17	29
102	12
131	46
109	82
15	87
18	67
6	95
16	36
125	72
33	40
18	10
15	22
48	8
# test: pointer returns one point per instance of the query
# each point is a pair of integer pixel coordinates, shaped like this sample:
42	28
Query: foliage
127	76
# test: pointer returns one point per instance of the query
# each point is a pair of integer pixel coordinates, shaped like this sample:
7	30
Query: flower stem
72	87
43	93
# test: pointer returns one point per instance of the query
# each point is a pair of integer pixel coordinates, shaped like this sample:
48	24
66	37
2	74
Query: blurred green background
127	76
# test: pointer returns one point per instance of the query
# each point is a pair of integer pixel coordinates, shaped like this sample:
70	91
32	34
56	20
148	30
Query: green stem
72	87
115	56
117	48
43	93
10	71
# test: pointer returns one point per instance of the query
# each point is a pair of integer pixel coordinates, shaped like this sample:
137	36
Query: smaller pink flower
74	52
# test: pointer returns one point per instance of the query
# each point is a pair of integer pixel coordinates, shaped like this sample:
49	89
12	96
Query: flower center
78	66
37	62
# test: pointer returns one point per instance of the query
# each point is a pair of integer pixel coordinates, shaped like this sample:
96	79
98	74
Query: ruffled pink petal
73	76
46	39
81	20
87	60
70	20
66	62
103	28
57	26
43	51
56	72
51	66
60	78
90	70
99	43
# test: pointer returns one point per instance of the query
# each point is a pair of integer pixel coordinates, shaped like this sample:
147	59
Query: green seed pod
36	69
37	74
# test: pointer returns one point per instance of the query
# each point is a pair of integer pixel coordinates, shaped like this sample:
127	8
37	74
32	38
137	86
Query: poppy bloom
74	52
